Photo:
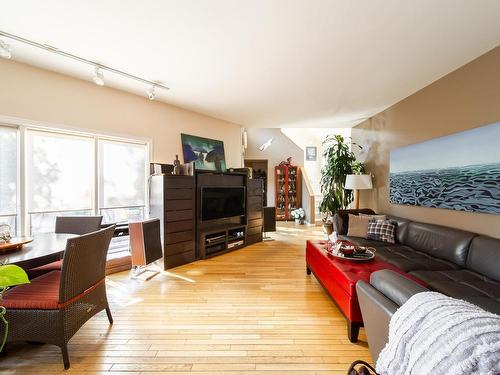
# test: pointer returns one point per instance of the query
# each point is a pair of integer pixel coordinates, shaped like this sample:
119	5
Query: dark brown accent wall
467	98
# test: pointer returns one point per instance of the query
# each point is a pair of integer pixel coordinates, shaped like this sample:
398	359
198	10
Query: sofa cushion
382	230
484	257
341	218
441	242
358	226
464	284
409	259
402	228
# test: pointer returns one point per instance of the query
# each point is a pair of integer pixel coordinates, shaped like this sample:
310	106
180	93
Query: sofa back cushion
484	257
401	229
441	242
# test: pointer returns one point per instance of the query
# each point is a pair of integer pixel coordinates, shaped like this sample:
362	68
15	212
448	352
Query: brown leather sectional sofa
457	263
454	262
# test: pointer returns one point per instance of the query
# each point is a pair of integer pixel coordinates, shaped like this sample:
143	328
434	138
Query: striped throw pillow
382	230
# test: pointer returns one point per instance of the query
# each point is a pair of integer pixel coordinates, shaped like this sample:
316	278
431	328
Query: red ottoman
339	278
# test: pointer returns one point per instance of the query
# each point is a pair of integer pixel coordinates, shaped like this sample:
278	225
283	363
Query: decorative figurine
177	165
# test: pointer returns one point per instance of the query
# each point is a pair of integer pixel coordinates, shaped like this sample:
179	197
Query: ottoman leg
308	270
353	331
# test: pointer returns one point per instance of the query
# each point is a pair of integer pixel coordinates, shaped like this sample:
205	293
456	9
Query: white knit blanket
435	334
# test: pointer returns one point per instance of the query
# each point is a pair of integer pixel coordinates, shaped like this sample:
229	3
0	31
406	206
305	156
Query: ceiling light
5	52
266	145
98	76
152	93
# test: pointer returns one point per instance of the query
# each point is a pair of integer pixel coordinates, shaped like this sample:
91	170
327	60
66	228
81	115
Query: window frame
23	222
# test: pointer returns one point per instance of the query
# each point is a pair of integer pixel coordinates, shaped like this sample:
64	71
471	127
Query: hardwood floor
252	311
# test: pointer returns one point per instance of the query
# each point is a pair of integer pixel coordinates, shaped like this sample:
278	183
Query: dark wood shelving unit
175	200
255	190
174	203
287	182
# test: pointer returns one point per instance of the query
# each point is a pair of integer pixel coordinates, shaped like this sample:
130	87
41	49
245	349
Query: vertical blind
8	175
122	174
60	172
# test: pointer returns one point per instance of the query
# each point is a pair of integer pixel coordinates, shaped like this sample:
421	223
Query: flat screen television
222	202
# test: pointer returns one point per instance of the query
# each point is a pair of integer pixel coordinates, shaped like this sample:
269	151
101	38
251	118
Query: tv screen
221	202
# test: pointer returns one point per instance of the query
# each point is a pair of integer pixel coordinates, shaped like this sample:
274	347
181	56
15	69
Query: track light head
152	92
266	144
98	76
5	52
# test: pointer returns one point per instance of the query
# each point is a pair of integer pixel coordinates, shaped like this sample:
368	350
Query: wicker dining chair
53	307
72	225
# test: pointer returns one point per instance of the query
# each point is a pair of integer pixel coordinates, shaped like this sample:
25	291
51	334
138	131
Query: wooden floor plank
251	311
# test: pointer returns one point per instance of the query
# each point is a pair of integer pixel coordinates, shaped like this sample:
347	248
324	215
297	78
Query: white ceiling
263	63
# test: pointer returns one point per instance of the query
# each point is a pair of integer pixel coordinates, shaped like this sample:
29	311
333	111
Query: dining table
45	248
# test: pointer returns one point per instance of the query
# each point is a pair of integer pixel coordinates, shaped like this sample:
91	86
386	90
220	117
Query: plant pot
328	227
299	221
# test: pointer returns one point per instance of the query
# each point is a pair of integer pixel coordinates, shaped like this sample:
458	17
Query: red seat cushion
54	266
42	293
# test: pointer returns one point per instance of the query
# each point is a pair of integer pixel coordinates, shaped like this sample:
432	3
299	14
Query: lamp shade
358	182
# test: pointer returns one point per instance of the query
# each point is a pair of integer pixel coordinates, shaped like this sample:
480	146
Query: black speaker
269	219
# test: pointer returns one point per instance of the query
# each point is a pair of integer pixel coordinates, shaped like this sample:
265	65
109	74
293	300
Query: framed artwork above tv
207	154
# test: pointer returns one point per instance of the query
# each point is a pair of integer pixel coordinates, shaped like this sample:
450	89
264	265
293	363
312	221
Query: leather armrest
377	311
395	286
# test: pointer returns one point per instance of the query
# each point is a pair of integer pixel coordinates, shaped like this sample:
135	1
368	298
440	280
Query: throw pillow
376	217
358	226
382	230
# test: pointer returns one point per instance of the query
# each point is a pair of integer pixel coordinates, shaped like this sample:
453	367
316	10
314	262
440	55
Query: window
68	173
122	181
9	176
59	177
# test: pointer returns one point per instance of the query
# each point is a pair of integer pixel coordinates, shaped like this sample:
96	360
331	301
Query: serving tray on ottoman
339	276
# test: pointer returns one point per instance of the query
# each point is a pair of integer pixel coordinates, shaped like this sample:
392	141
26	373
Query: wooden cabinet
172	200
255	188
288	182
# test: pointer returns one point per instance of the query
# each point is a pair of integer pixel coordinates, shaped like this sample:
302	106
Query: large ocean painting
457	172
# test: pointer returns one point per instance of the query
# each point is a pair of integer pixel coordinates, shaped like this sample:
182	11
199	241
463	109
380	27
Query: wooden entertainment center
176	200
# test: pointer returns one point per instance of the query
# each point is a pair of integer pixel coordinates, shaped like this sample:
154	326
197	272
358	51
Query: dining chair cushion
41	294
38	271
54	266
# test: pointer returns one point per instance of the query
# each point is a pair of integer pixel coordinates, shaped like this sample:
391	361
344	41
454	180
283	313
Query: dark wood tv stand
220	236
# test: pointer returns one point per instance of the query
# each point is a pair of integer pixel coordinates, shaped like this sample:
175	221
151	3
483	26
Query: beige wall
281	148
35	94
466	98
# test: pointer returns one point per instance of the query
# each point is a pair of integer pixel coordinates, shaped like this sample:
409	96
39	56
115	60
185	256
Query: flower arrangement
298	214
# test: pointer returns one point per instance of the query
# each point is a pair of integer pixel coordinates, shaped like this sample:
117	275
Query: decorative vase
328	227
297	221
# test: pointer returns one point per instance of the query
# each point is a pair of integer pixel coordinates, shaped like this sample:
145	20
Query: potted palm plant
10	275
339	162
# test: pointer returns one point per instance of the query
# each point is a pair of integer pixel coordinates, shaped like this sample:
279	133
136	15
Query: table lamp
358	182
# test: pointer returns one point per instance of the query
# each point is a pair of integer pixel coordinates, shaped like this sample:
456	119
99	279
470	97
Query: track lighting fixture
152	92
98	76
266	144
5	50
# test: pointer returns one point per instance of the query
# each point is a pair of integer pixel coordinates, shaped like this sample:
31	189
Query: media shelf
218	242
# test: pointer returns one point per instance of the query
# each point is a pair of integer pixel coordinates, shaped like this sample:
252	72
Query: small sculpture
177	165
287	162
5	235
